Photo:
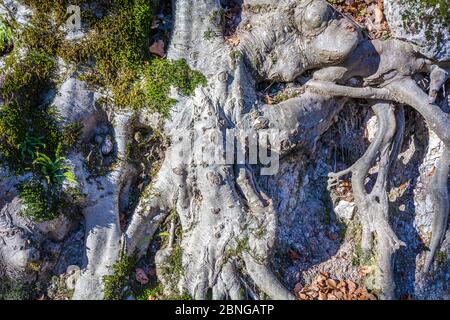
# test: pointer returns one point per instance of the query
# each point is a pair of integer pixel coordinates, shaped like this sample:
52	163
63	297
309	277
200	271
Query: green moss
30	135
28	78
173	269
121	272
441	258
119	43
161	75
114	56
157	293
41	202
417	16
24	116
358	258
5	36
16	290
149	292
208	35
71	135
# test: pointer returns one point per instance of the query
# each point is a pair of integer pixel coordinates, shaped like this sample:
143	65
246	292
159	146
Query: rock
345	210
421	24
21	12
74	274
76	103
107	146
57	229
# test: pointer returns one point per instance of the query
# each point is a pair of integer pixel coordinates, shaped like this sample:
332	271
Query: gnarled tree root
405	90
373	206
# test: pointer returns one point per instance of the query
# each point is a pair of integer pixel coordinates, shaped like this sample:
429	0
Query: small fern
5	36
30	146
54	171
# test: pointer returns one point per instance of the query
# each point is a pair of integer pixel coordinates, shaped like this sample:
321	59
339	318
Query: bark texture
231	218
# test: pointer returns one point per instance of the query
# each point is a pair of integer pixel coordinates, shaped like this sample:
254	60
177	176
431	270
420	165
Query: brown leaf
314	287
351	286
332	283
233	40
157	49
269	100
372	297
331	297
322	277
303	296
313	294
339	295
342	285
432	171
363	296
403	186
141	276
360	292
322	296
379	16
363	271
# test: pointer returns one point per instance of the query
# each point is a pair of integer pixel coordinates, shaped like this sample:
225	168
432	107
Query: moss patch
5	36
121	273
113	56
418	16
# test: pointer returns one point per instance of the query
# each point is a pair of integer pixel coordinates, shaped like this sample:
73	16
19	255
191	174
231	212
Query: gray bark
222	209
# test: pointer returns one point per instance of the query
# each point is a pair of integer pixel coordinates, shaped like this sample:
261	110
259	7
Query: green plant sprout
30	146
54	171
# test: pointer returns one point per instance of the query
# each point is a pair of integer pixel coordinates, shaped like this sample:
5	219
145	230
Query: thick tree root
440	198
103	234
406	91
373	206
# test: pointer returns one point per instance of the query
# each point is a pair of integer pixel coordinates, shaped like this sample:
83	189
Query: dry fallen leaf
338	295
403	186
378	14
233	40
331	297
157	49
432	171
351	286
326	288
363	271
141	276
331	283
303	296
322	296
269	100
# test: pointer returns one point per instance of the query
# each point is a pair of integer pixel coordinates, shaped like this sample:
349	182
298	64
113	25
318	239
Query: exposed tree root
439	195
406	91
225	220
373	206
103	234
